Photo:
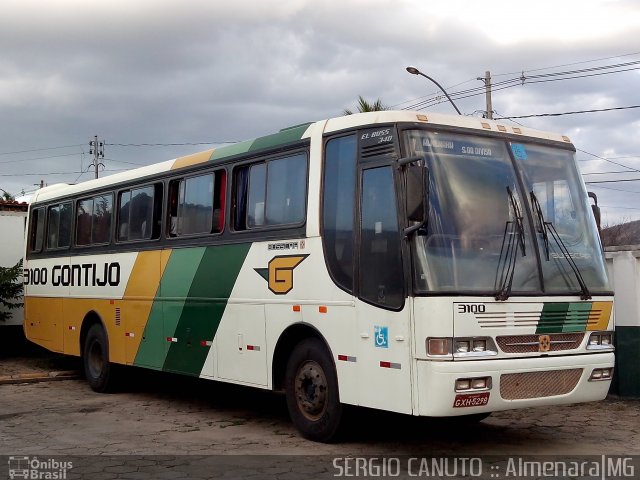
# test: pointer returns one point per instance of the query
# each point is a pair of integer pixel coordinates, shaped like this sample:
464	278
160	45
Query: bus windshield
485	234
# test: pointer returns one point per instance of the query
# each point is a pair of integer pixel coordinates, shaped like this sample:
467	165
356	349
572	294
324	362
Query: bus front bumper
511	383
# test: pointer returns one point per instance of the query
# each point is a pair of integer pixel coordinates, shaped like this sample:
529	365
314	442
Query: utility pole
97	150
487	86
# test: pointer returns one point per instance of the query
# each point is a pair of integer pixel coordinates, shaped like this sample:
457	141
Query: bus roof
293	134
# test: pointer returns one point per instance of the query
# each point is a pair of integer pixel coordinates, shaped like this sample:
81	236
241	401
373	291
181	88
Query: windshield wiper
546	227
543	226
504	275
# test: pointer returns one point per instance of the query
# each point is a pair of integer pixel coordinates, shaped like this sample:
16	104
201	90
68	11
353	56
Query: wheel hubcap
311	390
95	360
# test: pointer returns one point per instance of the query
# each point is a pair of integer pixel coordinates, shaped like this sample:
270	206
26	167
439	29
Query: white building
13	219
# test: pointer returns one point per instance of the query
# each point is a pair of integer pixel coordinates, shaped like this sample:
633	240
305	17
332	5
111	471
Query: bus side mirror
595	209
416	193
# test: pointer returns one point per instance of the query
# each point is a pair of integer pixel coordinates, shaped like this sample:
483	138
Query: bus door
383	313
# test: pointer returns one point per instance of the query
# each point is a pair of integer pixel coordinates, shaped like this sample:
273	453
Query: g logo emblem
279	273
544	343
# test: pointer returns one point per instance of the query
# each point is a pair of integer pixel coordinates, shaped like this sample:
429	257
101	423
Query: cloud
165	71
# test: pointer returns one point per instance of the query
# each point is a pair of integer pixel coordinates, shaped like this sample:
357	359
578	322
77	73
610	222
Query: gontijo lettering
81	275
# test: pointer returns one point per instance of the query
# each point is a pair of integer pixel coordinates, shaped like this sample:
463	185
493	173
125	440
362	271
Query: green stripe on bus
283	137
168	305
204	306
552	318
576	317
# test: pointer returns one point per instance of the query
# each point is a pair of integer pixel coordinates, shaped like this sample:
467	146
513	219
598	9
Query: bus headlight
462	348
600	341
473	347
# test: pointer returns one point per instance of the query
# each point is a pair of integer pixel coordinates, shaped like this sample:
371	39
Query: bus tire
95	358
311	386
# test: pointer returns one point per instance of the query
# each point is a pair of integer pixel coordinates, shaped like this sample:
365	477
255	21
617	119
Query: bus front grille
531	343
520	386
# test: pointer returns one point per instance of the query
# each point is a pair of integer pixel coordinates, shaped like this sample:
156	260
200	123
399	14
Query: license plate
471	400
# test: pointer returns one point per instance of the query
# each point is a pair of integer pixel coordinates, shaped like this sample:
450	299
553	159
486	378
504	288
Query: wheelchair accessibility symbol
381	336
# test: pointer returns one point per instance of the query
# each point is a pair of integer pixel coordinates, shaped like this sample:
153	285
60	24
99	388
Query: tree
6	196
365	106
10	289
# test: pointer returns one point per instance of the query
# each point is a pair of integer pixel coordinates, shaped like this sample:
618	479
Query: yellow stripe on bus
136	303
193	159
599	316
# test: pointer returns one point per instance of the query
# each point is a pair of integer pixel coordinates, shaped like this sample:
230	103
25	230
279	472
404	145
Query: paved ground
166	414
159	414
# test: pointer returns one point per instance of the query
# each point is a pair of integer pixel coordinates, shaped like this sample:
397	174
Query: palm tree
6	196
365	106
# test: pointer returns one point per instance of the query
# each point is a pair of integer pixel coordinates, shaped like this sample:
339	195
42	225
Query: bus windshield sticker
381	336
519	151
458	147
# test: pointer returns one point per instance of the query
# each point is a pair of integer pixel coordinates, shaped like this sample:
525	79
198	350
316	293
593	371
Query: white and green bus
424	264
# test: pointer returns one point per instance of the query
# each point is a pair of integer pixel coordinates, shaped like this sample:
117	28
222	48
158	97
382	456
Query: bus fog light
479	383
479	345
463	384
601	374
605	339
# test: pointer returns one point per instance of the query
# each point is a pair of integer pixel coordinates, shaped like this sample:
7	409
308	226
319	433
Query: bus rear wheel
95	356
312	391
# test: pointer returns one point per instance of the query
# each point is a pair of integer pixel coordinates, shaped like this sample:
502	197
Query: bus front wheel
312	391
95	356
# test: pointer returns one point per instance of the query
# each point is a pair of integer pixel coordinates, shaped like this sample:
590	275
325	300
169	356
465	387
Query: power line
613	181
57	173
167	144
41	149
41	158
570	113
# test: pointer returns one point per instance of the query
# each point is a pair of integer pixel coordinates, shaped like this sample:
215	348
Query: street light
415	71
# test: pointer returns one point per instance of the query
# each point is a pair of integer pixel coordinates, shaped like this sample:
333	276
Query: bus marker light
255	348
346	358
72	327
486	125
422	118
172	339
296	308
205	343
322	309
390	365
129	334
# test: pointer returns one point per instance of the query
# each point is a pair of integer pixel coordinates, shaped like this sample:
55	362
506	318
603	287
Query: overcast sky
189	71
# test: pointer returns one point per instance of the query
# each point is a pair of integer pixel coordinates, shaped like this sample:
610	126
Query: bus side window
101	228
196	204
139	213
84	214
36	235
59	226
270	193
